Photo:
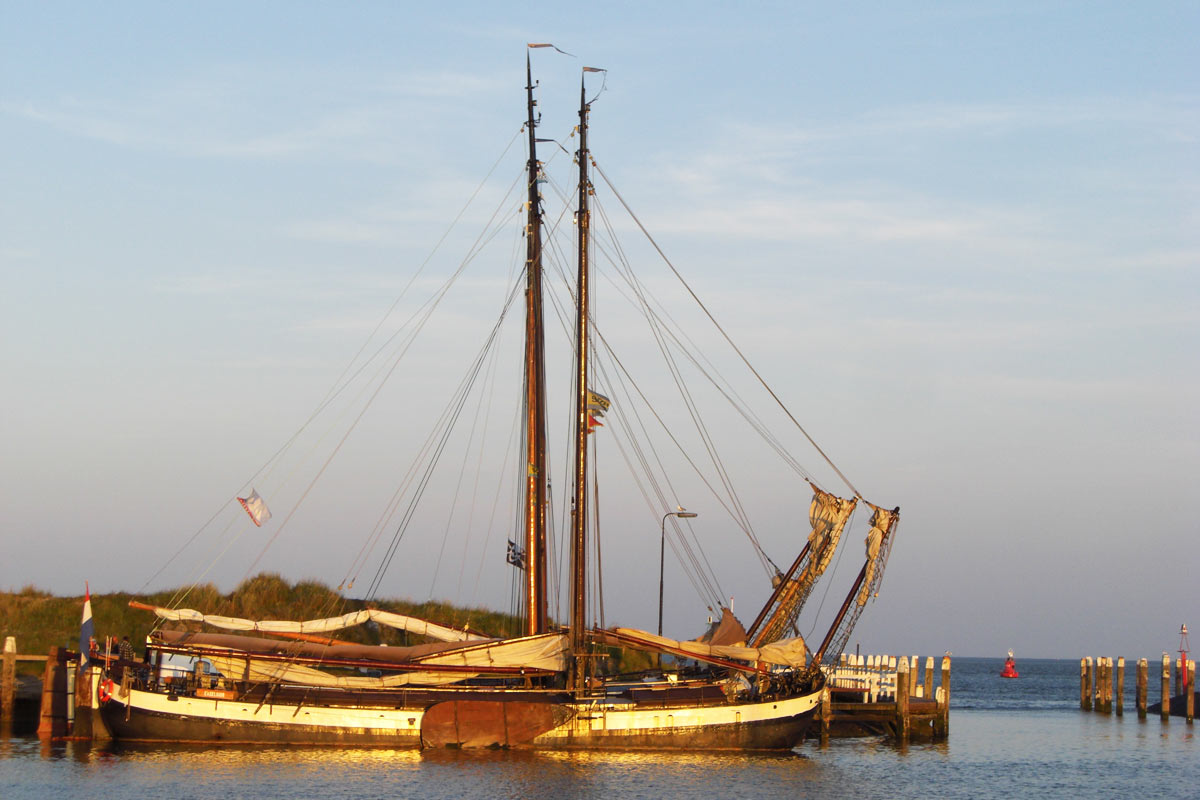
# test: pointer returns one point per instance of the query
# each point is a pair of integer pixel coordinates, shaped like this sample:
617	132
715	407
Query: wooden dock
20	695
885	696
1102	687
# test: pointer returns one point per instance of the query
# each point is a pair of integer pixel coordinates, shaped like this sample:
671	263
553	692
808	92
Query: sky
960	240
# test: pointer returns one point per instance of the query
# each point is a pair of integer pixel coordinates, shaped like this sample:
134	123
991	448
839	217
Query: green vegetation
39	620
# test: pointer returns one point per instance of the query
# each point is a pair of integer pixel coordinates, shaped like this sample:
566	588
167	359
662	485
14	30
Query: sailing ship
295	682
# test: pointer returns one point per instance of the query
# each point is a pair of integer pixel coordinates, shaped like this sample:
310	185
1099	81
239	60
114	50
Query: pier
20	695
885	695
1102	687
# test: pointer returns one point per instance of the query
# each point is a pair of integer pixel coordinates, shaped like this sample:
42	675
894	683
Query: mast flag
597	403
256	508
87	629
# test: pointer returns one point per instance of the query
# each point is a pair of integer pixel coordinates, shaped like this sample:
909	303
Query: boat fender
105	690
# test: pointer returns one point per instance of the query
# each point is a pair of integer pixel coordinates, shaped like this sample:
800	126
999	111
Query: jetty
879	695
1102	687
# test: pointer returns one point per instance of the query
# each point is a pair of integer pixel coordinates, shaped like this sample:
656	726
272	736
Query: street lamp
662	550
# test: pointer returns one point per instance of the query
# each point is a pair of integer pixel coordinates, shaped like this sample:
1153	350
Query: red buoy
1010	667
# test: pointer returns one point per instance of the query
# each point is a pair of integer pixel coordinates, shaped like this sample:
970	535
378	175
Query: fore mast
578	622
535	393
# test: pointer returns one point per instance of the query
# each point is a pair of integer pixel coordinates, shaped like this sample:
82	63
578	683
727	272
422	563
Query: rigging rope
726	336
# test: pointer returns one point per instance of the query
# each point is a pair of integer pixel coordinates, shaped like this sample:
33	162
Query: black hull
152	726
143	725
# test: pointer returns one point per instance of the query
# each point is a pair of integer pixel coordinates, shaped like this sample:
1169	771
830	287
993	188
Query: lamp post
662	551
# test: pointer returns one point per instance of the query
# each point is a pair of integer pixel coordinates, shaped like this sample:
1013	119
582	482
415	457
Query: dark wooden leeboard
488	723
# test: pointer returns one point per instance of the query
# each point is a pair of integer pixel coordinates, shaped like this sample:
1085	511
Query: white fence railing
872	675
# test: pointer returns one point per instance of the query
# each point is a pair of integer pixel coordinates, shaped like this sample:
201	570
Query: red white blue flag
86	629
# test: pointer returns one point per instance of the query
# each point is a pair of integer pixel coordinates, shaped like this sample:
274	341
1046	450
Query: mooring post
1098	688
1086	689
1189	693
53	724
8	679
1108	684
1166	688
1143	679
943	698
1083	685
826	714
929	677
1121	686
902	690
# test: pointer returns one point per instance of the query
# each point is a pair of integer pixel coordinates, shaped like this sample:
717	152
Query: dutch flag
86	629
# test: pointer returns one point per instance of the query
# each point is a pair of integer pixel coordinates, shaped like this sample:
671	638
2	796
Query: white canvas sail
398	621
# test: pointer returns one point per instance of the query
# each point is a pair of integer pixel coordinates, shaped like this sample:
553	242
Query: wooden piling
1143	675
1189	689
902	692
53	724
1121	686
8	680
929	678
942	728
1109	661
1085	683
1166	688
826	713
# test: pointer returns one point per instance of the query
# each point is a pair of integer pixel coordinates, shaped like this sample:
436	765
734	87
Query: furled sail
881	523
828	515
787	653
255	659
398	621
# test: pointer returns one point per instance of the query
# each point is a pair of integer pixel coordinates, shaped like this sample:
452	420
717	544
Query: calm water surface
1020	738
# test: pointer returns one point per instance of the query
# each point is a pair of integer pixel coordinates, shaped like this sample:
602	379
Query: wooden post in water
942	725
53	724
826	713
1166	688
902	690
929	677
8	680
1085	683
1143	675
1098	688
1121	686
1189	689
1106	688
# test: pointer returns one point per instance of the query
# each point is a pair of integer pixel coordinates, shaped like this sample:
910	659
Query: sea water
1008	738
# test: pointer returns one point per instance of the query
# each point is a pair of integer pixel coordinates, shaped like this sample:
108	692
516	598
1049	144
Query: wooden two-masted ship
295	682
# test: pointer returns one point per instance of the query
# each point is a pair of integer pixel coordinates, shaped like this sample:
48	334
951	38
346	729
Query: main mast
579	520
535	394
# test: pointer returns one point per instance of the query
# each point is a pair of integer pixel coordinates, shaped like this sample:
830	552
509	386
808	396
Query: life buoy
105	690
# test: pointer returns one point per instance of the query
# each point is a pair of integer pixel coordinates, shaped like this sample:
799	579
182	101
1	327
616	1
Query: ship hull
775	725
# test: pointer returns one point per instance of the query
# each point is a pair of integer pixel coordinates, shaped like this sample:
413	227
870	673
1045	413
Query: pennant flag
515	556
597	403
86	628
593	423
256	508
535	45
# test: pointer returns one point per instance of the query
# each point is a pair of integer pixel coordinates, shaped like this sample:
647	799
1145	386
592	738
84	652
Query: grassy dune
40	620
